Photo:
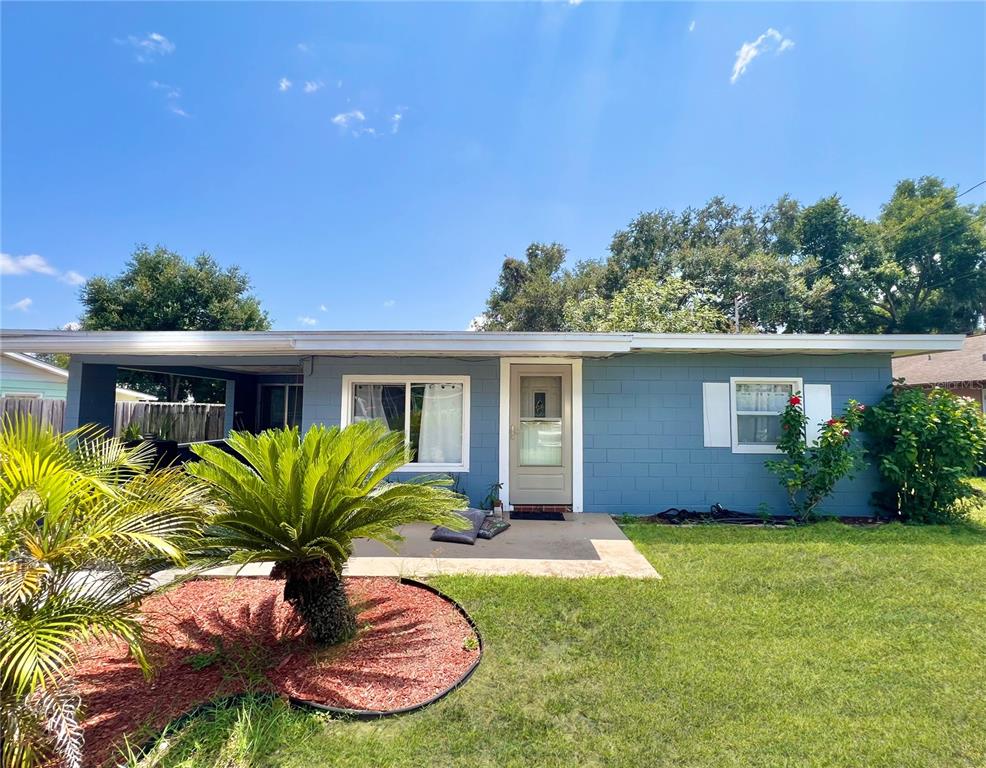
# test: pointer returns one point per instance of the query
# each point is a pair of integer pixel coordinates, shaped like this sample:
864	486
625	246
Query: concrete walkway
587	545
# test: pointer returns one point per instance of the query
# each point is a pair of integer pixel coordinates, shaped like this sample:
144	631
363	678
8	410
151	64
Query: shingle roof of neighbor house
963	365
233	343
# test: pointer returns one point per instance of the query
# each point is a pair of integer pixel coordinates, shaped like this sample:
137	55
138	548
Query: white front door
540	434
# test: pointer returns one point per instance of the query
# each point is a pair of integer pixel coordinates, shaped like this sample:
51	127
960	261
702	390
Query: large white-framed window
431	411
756	404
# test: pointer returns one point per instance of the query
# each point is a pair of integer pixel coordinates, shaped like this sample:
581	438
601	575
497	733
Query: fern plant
300	502
83	525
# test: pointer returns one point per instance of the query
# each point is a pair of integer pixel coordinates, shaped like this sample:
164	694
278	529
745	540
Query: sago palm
300	502
83	525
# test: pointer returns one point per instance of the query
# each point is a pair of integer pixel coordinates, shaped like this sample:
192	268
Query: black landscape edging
373	714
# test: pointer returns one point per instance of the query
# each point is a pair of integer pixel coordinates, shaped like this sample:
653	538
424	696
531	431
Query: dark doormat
554	516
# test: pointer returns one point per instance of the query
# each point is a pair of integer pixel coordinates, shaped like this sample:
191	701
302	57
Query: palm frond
83	525
294	498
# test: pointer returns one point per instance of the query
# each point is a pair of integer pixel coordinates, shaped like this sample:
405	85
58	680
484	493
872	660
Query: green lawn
818	646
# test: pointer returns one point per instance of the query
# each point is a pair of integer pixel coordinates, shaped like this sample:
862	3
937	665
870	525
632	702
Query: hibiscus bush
926	444
810	472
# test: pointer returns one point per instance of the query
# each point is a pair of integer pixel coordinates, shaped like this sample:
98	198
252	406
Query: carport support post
230	411
91	395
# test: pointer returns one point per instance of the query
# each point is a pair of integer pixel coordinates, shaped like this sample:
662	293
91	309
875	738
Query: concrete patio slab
590	544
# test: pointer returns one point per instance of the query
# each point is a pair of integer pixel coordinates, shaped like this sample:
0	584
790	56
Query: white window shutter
715	408
818	408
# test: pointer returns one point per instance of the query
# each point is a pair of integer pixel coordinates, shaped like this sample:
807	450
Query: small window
431	411
756	408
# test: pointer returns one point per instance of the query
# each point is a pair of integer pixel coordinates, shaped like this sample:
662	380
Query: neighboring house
963	371
23	376
621	423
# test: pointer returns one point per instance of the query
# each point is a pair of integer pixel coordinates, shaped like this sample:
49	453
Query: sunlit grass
823	645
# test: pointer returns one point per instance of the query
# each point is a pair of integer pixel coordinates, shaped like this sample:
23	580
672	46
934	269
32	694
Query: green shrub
810	472
925	443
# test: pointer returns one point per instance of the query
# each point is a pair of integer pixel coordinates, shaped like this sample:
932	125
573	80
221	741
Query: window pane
540	397
294	406
271	407
762	396
758	430
383	402
540	443
436	423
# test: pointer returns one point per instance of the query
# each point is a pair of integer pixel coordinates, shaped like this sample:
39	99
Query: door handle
513	431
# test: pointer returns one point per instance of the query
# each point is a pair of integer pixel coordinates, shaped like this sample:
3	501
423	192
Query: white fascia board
898	344
313	343
231	343
35	363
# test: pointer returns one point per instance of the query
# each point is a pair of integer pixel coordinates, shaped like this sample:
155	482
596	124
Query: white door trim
577	442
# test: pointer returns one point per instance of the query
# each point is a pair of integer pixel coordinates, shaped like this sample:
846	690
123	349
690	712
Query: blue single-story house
620	423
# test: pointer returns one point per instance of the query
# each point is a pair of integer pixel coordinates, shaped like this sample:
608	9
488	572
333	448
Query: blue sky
433	139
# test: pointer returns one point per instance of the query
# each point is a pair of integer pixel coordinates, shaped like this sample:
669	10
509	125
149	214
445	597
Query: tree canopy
158	290
920	266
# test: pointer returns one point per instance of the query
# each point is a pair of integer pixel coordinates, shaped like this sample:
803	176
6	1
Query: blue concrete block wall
643	431
323	403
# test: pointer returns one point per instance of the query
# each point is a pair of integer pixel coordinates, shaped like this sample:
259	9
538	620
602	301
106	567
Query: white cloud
322	308
395	121
304	48
73	278
22	306
477	323
390	303
313	85
575	2
23	265
283	84
691	26
72	325
306	320
172	93
148	48
33	264
345	119
768	41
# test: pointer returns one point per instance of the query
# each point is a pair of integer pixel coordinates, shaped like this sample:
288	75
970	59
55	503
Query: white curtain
440	440
762	397
368	403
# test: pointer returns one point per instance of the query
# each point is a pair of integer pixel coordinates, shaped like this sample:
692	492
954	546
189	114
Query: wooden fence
184	422
47	411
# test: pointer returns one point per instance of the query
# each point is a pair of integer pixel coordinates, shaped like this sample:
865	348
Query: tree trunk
316	592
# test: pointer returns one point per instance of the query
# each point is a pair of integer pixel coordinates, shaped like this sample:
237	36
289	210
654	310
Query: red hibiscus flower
795	400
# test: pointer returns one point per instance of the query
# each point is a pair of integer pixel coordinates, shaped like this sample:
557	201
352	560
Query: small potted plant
492	501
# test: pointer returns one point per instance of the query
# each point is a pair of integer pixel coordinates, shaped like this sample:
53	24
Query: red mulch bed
216	637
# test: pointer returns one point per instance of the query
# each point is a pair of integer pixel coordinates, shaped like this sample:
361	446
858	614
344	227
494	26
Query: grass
823	645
